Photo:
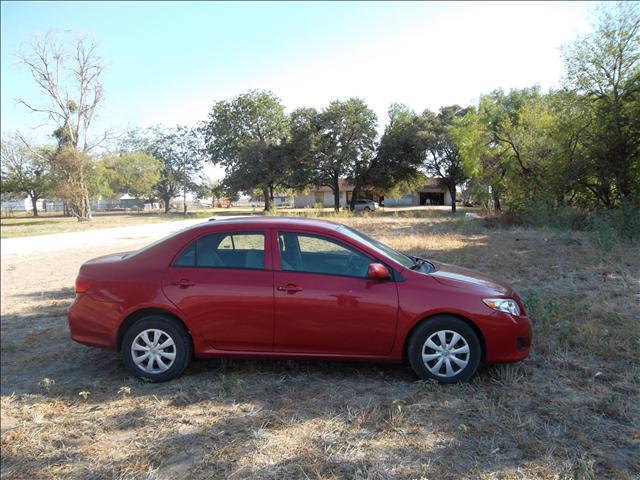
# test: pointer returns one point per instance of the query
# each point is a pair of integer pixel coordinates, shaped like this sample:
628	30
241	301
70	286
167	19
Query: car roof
260	221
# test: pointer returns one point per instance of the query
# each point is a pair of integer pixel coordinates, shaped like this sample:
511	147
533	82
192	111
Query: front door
324	302
221	284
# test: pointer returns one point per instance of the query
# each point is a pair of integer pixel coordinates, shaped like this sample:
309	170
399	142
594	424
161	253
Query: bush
605	226
542	214
608	226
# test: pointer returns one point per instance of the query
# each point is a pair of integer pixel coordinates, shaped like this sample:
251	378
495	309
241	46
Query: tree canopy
246	135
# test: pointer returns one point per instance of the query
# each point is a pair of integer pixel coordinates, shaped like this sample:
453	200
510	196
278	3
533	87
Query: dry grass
22	225
570	411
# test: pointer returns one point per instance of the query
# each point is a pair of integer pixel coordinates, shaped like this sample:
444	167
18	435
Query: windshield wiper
415	265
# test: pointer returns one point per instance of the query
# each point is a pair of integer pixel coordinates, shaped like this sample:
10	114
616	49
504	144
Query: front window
224	250
316	254
379	247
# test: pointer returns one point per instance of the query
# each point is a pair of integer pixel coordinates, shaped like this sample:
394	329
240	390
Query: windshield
380	247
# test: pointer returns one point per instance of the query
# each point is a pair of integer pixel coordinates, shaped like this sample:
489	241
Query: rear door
223	283
324	302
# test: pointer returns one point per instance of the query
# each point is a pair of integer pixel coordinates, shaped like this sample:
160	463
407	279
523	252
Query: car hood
454	276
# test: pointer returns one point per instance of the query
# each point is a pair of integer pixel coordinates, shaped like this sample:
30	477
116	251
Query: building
323	196
431	193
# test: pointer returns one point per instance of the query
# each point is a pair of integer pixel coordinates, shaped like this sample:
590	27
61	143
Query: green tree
209	188
513	144
301	150
483	159
442	157
180	153
24	172
603	67
343	136
72	170
135	173
400	154
247	135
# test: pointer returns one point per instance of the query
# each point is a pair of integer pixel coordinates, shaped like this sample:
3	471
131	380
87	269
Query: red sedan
269	287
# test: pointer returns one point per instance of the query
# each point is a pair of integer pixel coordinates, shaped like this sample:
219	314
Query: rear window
158	242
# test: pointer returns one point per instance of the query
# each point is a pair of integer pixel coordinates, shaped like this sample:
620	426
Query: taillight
82	285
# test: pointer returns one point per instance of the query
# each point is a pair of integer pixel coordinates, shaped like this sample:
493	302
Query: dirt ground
569	411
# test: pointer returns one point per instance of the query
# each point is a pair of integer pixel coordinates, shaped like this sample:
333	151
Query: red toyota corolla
269	287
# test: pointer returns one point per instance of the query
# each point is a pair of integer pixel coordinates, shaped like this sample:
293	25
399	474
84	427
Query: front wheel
156	348
445	349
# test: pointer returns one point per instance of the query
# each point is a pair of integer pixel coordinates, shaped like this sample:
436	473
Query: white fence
8	207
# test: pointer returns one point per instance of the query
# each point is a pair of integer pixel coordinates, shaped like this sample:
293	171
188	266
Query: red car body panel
250	313
331	317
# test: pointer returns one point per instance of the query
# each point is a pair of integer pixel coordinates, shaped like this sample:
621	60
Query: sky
167	63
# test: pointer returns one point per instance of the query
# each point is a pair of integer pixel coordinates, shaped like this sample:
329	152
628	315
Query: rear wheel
445	349
156	348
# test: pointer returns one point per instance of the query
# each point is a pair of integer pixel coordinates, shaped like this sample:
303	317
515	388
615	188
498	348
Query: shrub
605	226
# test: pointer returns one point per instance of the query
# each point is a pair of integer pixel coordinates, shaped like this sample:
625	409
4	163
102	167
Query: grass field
27	225
570	411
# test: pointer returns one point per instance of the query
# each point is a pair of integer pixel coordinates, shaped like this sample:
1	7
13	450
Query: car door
324	302
224	284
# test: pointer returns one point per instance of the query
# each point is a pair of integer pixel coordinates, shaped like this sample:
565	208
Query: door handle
183	283
290	288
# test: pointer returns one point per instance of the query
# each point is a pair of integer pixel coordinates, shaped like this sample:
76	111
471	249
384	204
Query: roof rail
218	218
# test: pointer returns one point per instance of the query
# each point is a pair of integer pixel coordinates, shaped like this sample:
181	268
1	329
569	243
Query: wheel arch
476	329
133	317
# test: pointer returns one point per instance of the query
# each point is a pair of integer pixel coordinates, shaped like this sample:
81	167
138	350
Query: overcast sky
168	62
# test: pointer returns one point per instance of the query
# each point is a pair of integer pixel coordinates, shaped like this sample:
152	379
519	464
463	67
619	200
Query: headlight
506	305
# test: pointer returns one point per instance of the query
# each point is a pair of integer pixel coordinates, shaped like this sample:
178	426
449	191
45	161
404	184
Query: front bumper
508	340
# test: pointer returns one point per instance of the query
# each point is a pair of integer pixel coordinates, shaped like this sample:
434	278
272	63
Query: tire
367	209
163	330
455	365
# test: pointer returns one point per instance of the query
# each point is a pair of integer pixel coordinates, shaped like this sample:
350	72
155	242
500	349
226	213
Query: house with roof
323	195
432	192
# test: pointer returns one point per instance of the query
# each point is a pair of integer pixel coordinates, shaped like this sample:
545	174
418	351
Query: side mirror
377	271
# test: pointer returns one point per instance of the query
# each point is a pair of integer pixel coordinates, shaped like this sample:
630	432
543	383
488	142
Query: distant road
62	241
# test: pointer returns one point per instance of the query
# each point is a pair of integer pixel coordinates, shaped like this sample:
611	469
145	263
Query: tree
68	74
344	145
400	154
442	155
209	188
301	150
247	135
483	159
516	139
135	173
24	172
603	67
180	154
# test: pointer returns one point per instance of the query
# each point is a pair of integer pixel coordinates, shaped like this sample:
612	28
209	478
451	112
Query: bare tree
68	74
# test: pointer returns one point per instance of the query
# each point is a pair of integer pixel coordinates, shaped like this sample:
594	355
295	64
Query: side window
316	254
188	257
225	250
